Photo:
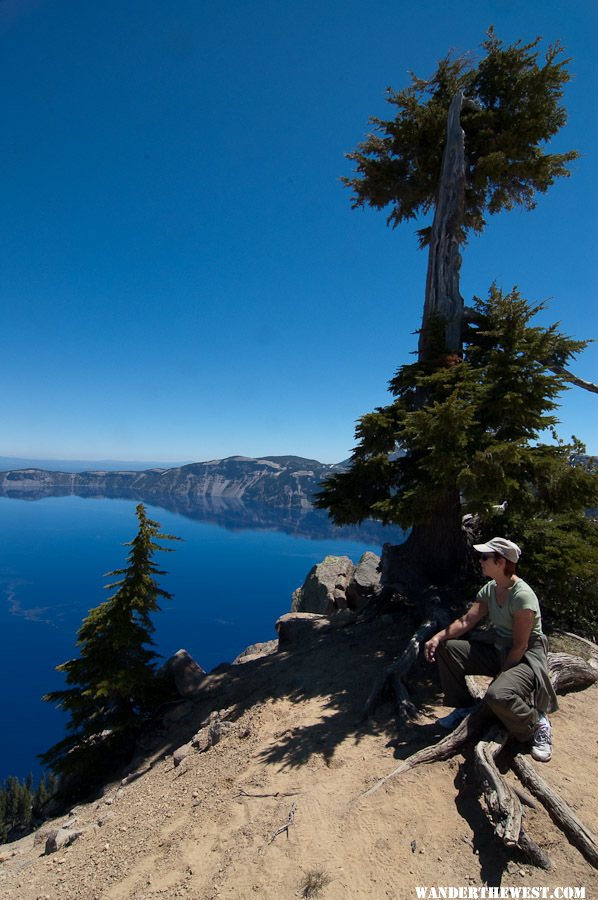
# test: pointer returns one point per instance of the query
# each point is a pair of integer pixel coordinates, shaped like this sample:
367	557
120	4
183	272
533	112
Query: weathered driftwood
502	802
561	813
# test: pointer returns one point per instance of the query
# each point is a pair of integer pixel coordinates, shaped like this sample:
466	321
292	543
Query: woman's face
490	564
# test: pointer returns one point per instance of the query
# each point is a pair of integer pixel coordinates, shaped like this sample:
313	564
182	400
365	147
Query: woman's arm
462	625
523	621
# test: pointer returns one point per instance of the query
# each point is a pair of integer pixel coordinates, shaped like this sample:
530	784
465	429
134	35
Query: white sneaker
542	741
456	716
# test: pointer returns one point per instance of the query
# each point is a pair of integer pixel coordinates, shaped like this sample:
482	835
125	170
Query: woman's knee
446	650
499	694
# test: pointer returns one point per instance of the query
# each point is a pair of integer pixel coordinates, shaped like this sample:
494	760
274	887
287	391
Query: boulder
255	651
294	629
186	674
61	837
365	583
324	589
211	734
181	753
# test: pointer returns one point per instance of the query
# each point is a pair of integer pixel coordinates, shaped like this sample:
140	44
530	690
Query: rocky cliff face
279	481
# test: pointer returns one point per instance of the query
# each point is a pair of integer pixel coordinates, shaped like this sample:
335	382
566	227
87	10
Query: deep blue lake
231	578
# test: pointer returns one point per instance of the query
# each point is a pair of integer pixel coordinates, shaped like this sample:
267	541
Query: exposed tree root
436	617
471	726
567	673
561	813
502	803
396	673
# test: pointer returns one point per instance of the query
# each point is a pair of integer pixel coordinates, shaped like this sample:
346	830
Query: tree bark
559	810
434	552
502	801
443	301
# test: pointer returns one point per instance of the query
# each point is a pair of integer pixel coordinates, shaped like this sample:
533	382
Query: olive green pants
508	696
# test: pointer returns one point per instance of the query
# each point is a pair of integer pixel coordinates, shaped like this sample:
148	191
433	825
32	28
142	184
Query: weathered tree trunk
441	336
443	301
396	674
439	544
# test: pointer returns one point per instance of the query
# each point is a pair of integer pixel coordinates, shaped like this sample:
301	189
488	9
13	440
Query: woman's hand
430	648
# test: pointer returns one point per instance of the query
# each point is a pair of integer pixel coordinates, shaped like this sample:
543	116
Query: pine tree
114	687
469	142
479	440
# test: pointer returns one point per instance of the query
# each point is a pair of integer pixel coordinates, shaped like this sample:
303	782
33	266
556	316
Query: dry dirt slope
296	755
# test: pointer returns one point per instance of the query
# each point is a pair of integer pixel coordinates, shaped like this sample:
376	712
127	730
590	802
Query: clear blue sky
182	276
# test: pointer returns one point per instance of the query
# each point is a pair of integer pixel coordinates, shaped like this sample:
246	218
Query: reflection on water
231	577
235	515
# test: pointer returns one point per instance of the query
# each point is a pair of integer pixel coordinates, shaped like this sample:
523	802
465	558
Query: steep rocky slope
272	810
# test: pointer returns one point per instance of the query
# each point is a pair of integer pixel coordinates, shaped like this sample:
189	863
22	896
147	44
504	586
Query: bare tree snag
443	300
502	803
561	813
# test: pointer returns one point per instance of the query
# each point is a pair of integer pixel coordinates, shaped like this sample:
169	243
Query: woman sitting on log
521	693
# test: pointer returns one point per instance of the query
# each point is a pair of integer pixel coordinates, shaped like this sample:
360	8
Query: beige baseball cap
500	545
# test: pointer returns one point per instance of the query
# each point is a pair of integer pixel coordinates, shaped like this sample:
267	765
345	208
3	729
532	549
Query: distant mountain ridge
287	482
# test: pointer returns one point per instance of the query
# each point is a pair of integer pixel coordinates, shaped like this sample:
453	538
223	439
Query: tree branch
573	379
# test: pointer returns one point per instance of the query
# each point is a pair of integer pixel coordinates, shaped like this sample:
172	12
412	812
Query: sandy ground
297	756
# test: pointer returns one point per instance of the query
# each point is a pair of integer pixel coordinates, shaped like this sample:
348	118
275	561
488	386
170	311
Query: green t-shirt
520	596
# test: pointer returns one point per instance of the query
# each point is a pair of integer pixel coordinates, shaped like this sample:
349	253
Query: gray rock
294	629
255	651
59	838
211	734
181	753
365	583
324	589
185	672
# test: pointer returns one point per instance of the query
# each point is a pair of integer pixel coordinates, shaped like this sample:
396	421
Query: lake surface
231	578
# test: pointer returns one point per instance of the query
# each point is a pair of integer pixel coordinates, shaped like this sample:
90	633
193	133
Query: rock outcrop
185	673
336	584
